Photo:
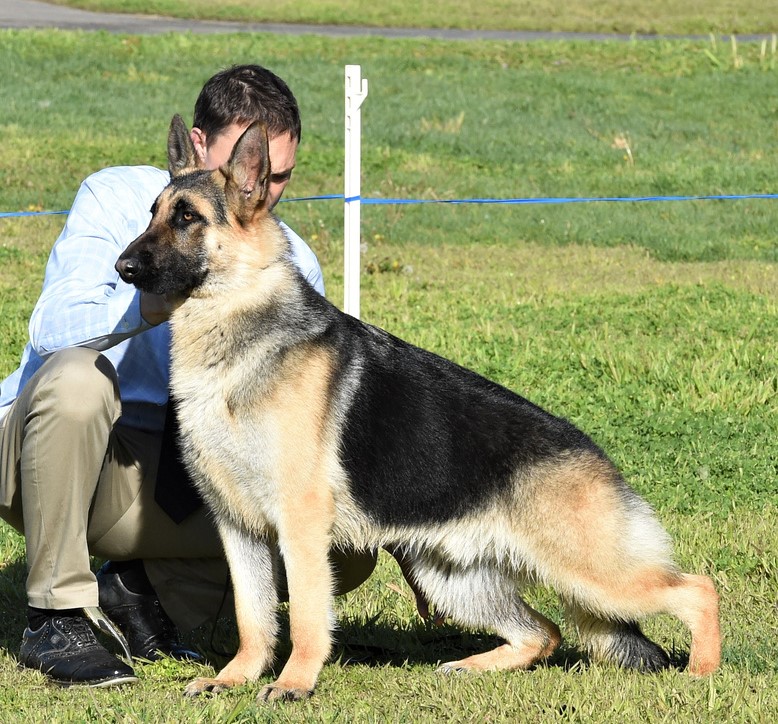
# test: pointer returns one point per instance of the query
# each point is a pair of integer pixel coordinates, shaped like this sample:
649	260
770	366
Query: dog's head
203	219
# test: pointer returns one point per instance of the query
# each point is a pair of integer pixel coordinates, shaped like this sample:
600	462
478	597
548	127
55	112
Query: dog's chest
229	435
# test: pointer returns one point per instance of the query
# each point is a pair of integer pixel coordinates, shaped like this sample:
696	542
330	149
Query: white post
356	92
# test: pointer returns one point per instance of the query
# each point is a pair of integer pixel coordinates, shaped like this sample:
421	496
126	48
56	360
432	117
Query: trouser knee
80	384
58	427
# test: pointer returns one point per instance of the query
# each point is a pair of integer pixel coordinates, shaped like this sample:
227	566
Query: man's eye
279	178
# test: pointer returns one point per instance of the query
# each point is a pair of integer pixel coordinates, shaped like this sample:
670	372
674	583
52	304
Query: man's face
215	152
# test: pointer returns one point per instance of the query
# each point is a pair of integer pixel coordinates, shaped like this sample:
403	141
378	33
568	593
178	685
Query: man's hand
156	308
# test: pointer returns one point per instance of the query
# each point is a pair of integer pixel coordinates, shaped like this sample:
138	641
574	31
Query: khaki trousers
77	484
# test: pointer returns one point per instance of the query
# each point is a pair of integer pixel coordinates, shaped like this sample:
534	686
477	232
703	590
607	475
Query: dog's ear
180	149
248	171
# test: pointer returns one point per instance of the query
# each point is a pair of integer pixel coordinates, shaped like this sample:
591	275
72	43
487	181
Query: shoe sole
113	681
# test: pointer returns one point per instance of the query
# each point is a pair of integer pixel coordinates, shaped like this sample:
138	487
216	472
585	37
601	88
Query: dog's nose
128	268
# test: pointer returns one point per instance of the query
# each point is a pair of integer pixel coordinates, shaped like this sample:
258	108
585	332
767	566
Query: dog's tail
622	643
610	560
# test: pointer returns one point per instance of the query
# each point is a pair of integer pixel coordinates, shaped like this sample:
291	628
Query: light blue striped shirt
84	302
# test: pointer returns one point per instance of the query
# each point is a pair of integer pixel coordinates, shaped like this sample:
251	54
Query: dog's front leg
252	563
304	539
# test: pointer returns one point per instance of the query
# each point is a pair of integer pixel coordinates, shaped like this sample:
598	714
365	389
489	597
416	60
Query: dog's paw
203	685
279	692
453	667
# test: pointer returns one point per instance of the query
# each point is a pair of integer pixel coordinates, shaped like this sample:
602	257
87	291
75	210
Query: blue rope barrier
372	201
560	199
326	197
9	214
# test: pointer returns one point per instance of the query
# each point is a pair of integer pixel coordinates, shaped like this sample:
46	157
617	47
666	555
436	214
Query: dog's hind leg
481	596
616	637
693	599
617	641
610	560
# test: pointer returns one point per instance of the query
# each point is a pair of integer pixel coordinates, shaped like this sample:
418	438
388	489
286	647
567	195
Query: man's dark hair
244	94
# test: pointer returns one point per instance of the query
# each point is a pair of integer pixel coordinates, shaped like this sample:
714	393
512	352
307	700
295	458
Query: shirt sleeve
305	259
84	302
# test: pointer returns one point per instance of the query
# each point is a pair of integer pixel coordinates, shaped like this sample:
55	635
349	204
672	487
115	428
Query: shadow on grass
379	643
13	603
373	643
427	646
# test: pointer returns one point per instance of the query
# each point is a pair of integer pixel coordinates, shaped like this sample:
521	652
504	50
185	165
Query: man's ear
181	155
199	141
248	170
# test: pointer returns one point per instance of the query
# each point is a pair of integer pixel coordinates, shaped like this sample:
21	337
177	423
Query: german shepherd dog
307	429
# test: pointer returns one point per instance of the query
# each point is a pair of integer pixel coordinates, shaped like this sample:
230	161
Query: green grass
606	16
652	326
442	120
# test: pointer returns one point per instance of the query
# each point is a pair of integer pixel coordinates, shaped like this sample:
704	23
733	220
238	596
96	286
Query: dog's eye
184	216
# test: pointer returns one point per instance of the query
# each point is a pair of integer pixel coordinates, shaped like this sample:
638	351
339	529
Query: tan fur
538	645
694	600
300	407
579	491
300	505
262	440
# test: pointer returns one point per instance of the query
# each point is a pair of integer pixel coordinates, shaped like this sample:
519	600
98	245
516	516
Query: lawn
650	325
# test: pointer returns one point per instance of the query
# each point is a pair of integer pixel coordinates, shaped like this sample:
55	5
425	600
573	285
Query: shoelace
77	630
167	632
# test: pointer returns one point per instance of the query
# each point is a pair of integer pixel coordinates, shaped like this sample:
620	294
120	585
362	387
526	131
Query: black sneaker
140	617
65	648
